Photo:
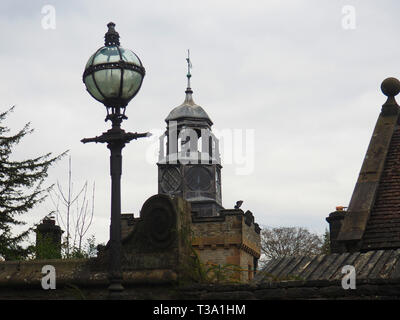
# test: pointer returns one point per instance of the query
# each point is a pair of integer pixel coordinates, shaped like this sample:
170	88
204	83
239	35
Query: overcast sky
303	76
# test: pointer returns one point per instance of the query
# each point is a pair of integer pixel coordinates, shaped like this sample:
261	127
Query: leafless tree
84	216
74	212
289	241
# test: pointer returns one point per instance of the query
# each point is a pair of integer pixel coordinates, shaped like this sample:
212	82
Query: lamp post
113	75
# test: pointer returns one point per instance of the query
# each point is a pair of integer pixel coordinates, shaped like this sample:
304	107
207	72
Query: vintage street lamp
113	75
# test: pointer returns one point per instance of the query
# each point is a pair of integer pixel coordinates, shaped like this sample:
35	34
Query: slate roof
383	226
372	221
374	264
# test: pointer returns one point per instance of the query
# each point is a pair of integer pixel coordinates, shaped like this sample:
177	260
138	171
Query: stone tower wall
227	240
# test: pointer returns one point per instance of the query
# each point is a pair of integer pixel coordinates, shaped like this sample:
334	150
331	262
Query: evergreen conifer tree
326	246
21	188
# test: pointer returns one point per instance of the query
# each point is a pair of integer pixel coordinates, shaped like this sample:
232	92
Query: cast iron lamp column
113	76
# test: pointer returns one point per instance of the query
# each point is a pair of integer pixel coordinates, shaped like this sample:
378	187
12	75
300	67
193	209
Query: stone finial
390	88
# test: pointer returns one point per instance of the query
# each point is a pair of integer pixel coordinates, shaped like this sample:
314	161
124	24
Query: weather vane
189	67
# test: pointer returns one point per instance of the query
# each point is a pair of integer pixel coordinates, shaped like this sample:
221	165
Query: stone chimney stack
48	240
335	221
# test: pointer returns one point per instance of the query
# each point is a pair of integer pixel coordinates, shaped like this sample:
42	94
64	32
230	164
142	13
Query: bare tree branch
289	241
76	222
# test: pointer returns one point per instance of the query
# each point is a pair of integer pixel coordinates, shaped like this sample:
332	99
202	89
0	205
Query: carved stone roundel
160	223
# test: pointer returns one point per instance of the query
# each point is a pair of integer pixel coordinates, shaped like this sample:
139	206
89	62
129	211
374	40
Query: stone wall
79	279
157	256
169	290
229	239
289	290
155	252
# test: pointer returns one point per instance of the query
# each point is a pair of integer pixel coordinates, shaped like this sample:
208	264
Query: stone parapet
232	238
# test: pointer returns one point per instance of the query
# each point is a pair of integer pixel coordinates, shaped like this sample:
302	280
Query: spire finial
112	36
189	75
390	88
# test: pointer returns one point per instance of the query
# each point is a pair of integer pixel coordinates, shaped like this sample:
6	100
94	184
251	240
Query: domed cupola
189	110
189	163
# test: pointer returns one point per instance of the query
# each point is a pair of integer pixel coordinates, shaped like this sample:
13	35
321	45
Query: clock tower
189	163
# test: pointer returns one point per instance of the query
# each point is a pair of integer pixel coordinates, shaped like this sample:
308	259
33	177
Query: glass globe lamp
113	75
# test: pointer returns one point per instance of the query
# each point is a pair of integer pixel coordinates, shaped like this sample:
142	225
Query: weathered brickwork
229	239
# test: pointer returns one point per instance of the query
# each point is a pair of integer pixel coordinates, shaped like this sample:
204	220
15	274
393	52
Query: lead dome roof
188	110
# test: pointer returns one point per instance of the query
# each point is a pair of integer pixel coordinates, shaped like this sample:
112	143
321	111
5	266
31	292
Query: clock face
171	180
198	179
